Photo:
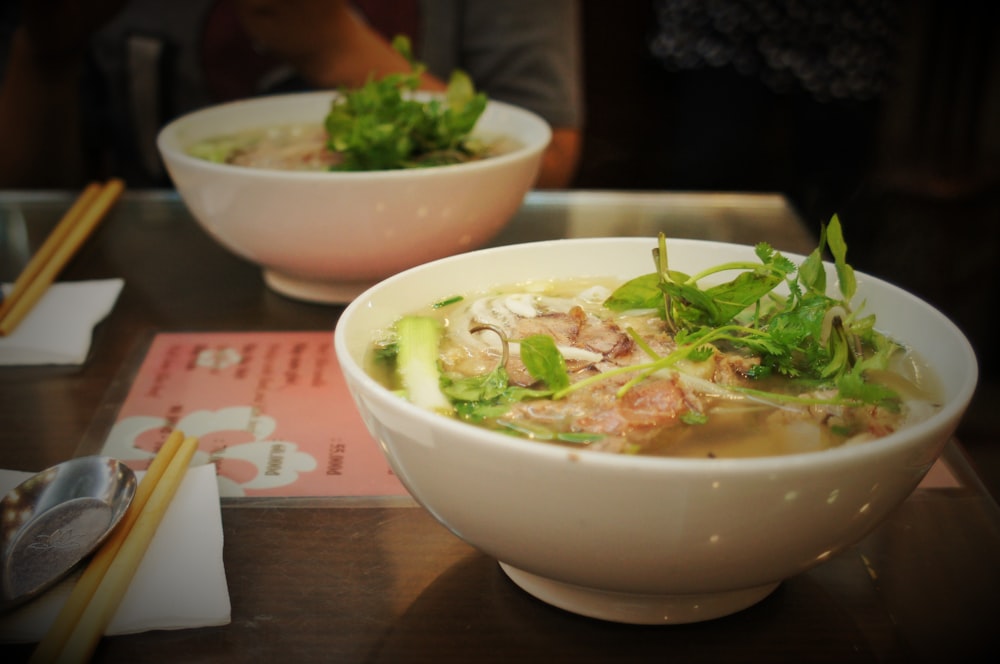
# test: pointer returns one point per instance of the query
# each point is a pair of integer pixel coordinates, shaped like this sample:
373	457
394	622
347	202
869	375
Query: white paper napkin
59	329
180	583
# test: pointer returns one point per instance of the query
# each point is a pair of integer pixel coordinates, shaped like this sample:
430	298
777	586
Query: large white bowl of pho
256	174
648	467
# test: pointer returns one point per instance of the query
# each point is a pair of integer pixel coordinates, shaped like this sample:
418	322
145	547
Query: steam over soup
664	365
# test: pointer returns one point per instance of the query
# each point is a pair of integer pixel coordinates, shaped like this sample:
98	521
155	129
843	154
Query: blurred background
900	135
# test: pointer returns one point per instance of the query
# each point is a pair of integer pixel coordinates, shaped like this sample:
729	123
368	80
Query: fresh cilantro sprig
381	126
805	334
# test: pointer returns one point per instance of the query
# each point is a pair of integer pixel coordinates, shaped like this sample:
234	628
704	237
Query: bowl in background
646	540
327	236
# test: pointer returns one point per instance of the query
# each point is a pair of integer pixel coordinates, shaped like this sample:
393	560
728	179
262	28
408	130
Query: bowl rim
168	144
950	411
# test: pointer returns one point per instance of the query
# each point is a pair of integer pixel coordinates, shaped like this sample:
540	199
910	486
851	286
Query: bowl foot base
637	609
322	292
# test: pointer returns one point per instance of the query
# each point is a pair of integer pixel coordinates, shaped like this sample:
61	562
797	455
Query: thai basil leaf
544	361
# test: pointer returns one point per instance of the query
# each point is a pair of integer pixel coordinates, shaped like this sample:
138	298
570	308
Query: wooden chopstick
97	594
59	247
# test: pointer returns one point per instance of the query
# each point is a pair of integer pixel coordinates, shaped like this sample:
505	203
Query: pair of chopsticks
99	591
60	246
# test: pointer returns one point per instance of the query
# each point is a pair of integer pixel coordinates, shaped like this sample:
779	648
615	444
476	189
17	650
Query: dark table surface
328	580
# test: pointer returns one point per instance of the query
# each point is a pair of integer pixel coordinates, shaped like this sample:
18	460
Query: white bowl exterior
641	524
348	226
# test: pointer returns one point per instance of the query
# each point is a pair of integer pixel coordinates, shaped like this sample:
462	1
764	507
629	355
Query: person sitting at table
84	95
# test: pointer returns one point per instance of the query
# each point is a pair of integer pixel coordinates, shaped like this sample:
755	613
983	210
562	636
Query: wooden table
327	580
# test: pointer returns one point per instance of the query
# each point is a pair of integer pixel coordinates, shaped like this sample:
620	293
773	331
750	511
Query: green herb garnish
380	126
772	310
805	334
544	361
440	304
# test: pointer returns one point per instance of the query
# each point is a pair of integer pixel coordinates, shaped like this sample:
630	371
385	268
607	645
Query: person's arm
560	159
325	41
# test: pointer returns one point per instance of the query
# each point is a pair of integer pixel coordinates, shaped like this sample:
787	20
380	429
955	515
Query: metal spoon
54	519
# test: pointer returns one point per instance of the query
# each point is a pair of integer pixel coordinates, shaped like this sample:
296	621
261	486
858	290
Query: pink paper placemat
271	410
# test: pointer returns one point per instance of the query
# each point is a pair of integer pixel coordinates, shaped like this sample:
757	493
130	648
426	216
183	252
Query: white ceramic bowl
326	236
643	539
